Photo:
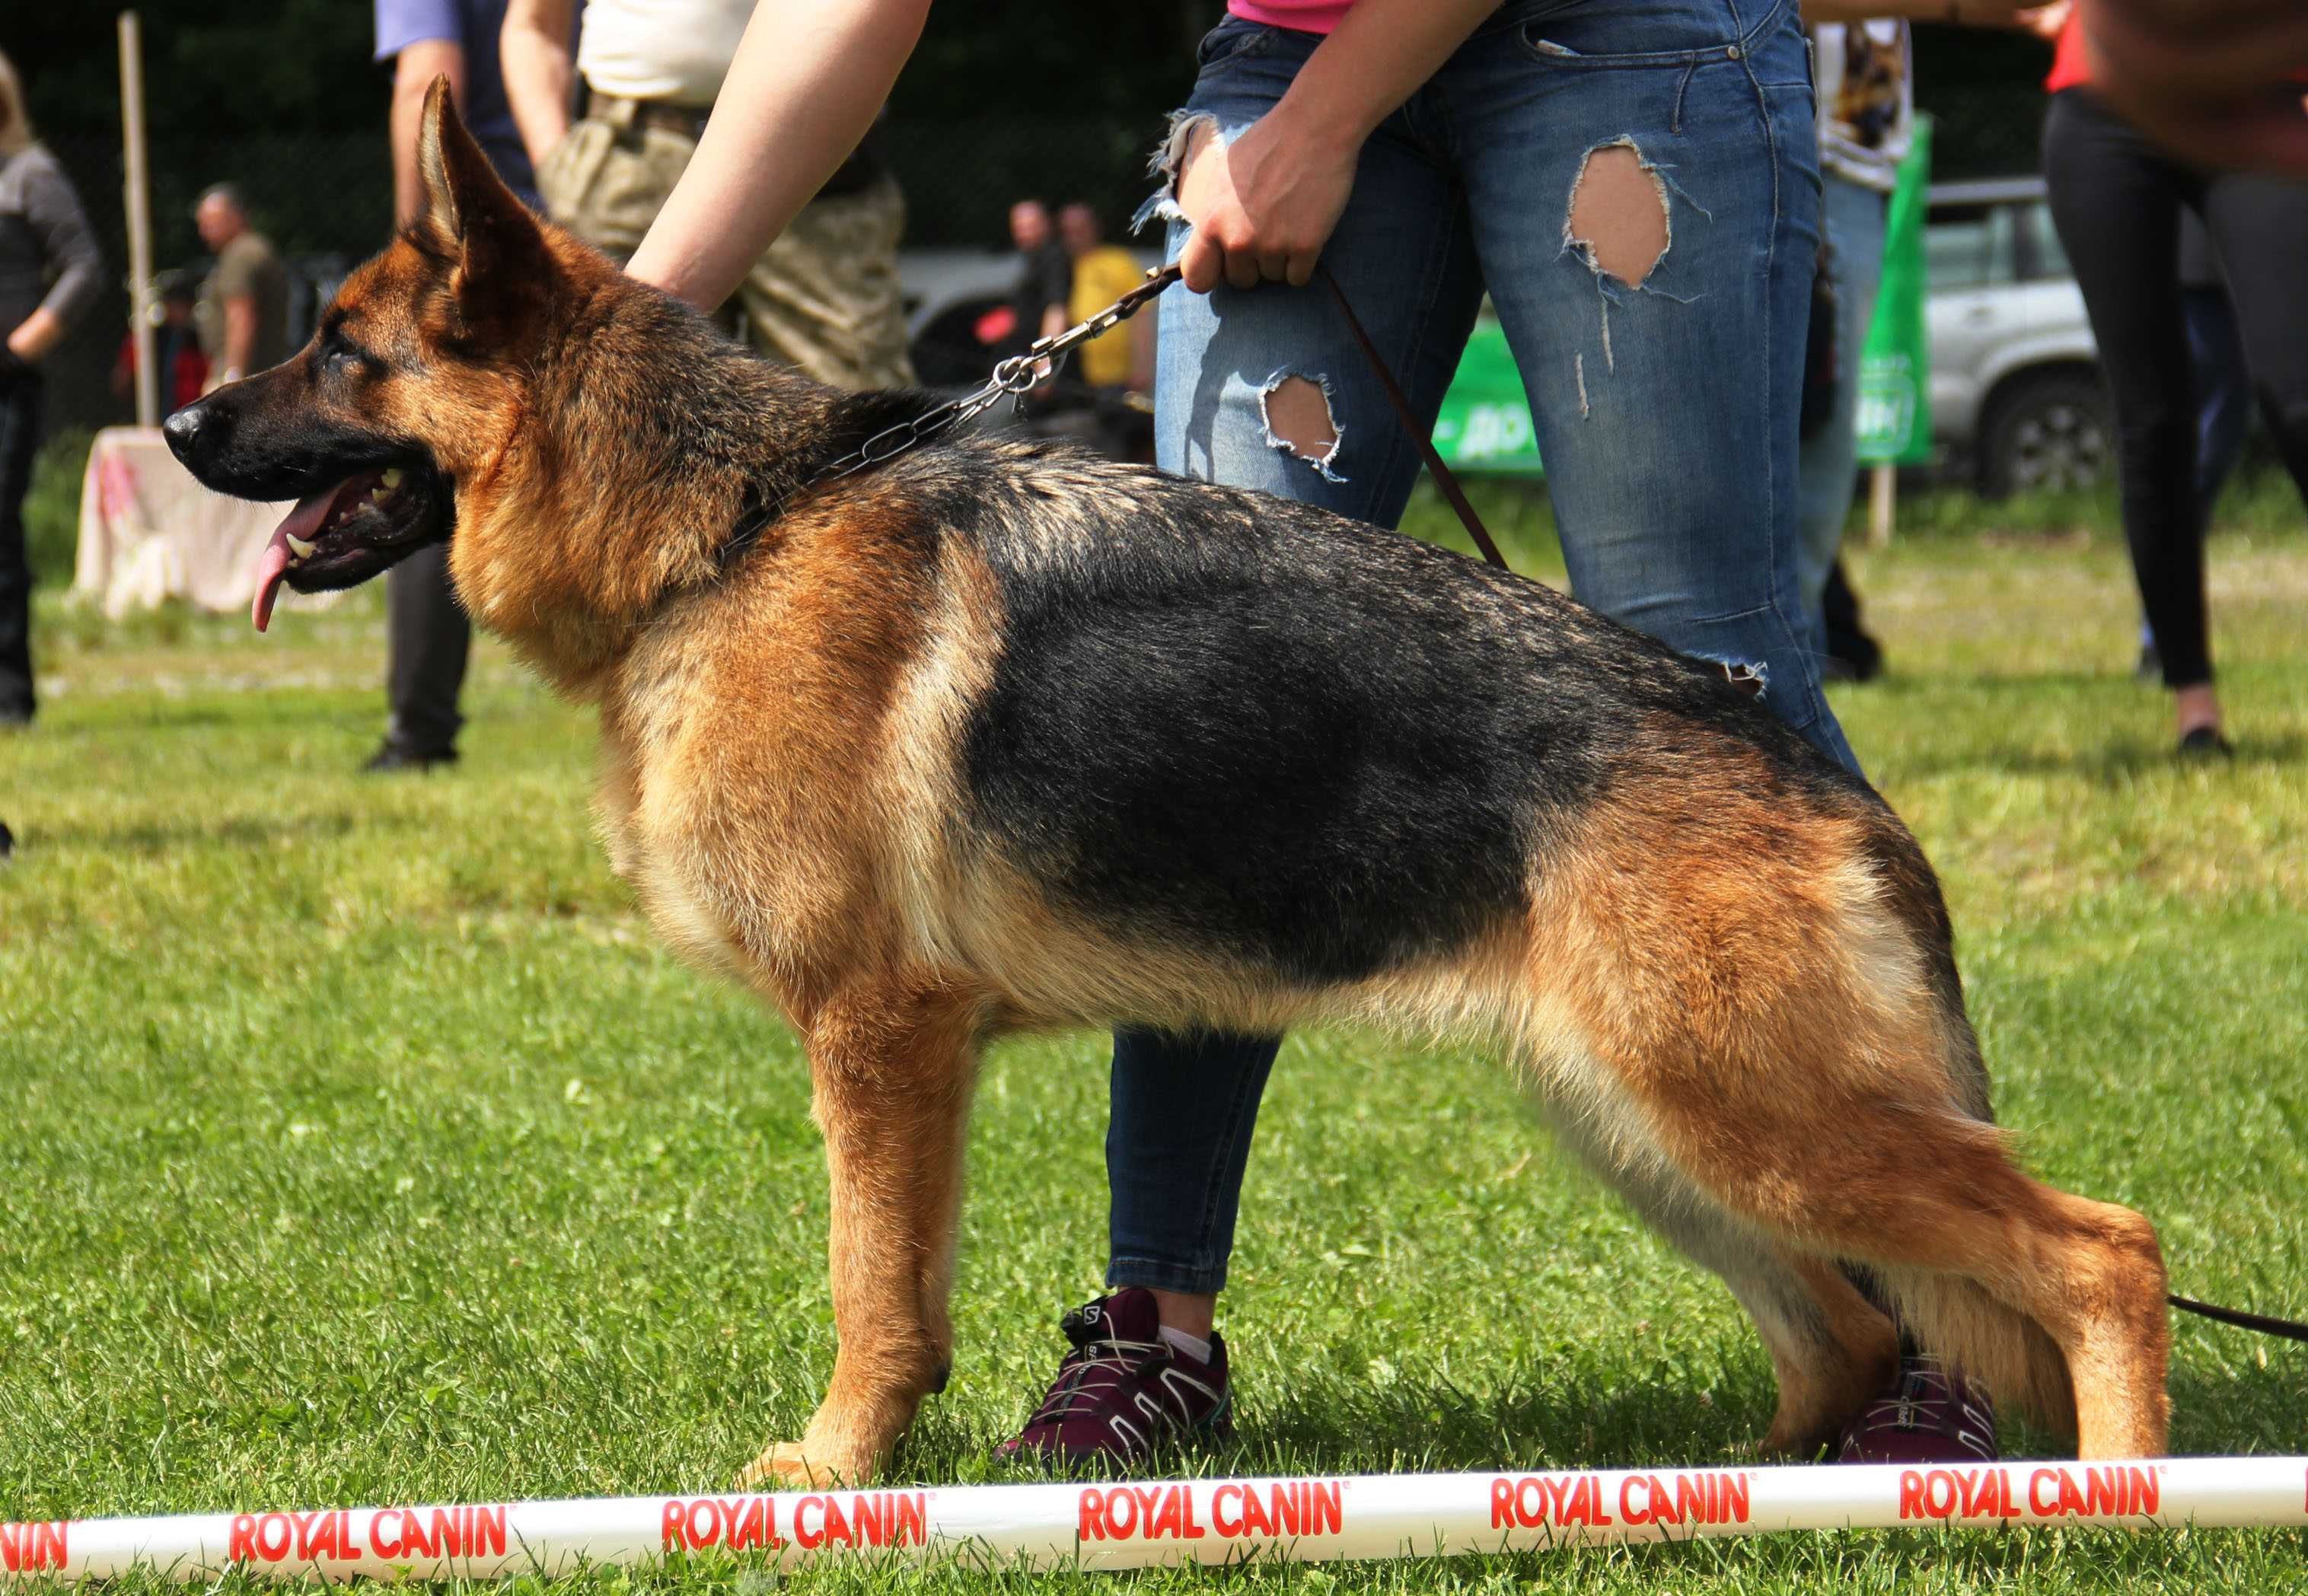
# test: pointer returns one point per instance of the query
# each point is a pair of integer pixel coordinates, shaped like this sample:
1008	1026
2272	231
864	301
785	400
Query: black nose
183	430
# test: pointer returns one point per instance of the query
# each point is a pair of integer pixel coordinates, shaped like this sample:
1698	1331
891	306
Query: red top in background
2070	66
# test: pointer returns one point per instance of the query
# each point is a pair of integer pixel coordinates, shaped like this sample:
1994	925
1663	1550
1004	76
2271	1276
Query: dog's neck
652	440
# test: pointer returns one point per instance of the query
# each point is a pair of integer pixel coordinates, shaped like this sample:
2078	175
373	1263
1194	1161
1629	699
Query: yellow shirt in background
1100	277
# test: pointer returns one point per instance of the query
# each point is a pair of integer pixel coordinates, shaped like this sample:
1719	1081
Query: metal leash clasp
1016	376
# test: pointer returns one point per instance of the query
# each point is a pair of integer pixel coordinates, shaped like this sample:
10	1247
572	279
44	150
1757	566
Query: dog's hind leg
1983	1262
1829	1349
893	1071
1773	1004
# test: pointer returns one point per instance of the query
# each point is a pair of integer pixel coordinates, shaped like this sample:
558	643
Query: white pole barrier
1139	1524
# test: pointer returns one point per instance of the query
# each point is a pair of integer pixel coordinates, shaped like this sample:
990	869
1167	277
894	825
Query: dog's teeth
298	546
376	495
391	478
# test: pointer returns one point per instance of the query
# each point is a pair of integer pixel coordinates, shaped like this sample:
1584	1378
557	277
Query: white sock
1193	1346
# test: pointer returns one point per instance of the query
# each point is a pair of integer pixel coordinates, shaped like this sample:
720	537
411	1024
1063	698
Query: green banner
1485	425
1895	367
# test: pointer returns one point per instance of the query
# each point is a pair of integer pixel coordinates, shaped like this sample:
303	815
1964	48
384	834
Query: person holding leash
1636	187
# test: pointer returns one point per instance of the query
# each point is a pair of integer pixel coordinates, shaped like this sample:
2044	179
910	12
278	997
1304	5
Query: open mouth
345	533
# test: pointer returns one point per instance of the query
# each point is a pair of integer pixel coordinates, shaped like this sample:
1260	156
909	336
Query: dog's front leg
892	1078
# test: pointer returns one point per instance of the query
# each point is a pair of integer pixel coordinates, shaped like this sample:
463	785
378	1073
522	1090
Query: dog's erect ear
469	221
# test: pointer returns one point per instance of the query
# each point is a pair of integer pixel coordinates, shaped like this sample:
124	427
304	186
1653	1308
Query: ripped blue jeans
1663	365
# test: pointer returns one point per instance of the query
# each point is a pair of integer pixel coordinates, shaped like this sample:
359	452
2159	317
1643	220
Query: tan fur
1737	1005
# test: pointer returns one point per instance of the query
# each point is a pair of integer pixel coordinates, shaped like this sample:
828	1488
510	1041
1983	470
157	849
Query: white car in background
2016	386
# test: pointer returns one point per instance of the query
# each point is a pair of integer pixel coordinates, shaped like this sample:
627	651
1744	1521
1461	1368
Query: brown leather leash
2266	1323
1448	483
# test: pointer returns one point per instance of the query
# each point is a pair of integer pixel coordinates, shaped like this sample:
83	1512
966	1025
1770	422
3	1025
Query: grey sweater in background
47	252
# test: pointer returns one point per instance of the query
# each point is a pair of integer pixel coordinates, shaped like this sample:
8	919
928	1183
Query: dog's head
410	388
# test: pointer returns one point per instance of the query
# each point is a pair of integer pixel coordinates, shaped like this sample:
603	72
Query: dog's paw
784	1468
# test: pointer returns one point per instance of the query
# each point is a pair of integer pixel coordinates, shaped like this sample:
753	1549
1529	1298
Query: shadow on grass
240	832
154	711
2111	764
1596	1420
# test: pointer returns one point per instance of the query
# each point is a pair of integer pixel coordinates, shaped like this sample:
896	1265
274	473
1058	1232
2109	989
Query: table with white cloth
148	532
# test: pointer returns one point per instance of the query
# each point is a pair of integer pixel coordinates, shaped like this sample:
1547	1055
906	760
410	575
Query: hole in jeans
1299	422
1618	214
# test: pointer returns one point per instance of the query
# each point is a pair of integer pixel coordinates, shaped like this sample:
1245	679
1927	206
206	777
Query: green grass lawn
361	1144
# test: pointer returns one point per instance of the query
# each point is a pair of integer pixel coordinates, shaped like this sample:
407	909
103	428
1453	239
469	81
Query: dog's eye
338	359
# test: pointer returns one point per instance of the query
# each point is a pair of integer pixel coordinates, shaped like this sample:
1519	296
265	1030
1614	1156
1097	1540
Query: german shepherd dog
995	736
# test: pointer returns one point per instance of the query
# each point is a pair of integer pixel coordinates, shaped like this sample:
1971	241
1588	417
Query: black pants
428	636
2116	200
20	429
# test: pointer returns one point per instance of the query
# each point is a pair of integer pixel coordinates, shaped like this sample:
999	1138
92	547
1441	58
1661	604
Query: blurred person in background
428	637
2116	198
824	296
1103	273
2223	385
243	313
1118	366
1863	69
50	272
175	346
1038	303
2215	354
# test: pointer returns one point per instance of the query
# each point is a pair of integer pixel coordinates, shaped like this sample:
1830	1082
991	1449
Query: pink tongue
272	565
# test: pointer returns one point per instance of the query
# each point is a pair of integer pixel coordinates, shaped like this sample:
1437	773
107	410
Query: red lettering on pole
272	1533
378	1524
1628	1509
1327	1503
1089	1522
239	1546
33	1546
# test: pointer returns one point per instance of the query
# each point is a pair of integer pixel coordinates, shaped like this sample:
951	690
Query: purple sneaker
1124	1390
1928	1414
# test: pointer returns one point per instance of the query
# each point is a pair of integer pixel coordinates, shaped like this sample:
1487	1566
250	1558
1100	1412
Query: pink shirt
1307	16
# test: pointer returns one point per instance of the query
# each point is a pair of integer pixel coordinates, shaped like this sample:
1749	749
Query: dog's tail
1989	1341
